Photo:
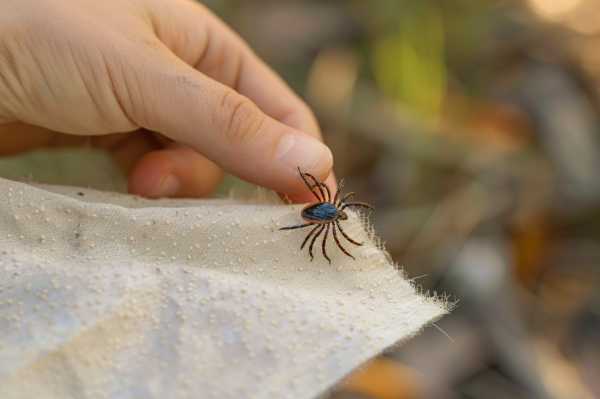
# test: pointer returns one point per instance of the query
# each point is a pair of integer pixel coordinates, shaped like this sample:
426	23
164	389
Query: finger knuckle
241	119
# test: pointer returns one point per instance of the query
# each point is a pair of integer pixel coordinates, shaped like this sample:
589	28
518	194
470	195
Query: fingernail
167	187
305	152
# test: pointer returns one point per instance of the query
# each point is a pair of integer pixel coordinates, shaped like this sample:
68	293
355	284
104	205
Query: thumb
226	127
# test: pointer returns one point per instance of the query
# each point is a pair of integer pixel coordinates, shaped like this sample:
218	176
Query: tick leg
324	243
340	246
312	242
317	185
327	191
345	198
300	226
308	236
337	193
346	235
319	198
357	204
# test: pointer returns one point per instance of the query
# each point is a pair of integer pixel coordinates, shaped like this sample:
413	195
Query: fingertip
296	150
152	177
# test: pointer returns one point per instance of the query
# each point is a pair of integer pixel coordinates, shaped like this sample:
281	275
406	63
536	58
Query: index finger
202	40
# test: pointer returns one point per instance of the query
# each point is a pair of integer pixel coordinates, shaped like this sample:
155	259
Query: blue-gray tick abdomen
322	212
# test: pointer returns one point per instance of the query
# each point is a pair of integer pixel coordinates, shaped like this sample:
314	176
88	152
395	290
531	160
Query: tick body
323	212
325	215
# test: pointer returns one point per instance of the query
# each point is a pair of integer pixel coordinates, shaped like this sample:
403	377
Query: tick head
342	215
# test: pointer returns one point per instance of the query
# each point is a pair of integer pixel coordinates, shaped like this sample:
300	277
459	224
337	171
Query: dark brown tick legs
320	187
337	223
308	236
320	198
312	242
338	242
311	188
327	191
300	226
324	243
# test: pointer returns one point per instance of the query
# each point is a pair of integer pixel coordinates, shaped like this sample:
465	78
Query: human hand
90	68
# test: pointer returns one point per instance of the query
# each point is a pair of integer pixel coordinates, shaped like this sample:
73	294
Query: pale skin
172	92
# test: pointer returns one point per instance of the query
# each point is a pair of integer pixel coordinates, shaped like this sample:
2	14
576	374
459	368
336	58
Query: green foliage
407	51
409	60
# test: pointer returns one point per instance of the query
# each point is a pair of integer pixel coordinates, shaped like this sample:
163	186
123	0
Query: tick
325	215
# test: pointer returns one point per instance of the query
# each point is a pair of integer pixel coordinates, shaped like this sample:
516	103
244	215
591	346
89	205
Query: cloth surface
106	295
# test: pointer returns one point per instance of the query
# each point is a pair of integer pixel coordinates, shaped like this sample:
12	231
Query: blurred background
473	127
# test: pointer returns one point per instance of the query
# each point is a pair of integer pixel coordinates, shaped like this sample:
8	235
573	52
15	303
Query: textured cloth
106	295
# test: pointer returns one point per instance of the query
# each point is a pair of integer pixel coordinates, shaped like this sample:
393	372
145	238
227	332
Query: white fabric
110	296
